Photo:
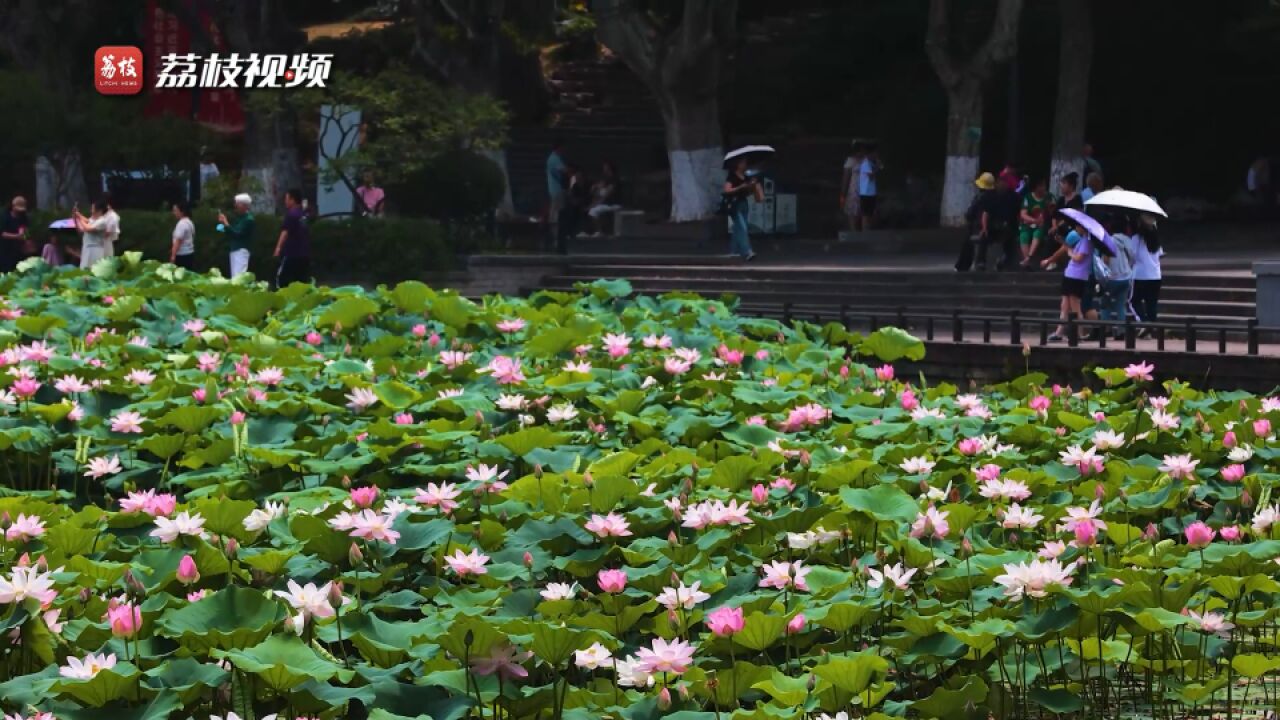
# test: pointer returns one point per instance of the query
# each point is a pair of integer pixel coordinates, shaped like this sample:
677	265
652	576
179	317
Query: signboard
166	33
775	216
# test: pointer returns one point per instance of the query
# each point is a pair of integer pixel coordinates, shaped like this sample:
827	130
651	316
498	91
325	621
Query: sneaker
1051	267
750	257
1056	338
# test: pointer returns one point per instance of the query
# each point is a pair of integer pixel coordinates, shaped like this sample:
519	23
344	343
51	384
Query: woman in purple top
1075	279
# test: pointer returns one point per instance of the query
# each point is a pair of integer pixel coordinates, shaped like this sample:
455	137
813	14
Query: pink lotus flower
1199	535
611	581
270	376
453	359
672	657
1179	466
783	483
442	496
361	399
1140	372
503	661
194	326
404	418
1040	403
729	356
87	669
196	596
596	656
1086	534
472	563
511	326
611	525
884	373
434	341
140	377
681	596
676	366
314	338
759	494
26	527
125	620
969	446
374	526
419	330
755	420
1231	533
505	370
987	473
762	355
1233	473
364	497
1229	439
209	362
25	388
781	575
908	400
237	418
1262	427
188	573
617	345
725	621
199	395
127	422
71	385
101	467
931	523
796	624
810	415
1211	623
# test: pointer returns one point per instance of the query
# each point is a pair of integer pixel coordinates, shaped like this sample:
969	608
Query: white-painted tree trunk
697	177
958	189
1062	165
507	207
1075	59
60	182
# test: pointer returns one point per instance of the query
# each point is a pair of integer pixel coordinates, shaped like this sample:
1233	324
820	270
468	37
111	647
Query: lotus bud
188	573
1013	537
335	595
528	559
346	482
134	586
5	521
468	638
664	699
796	624
233	548
1151	533
759	494
587	479
24	560
1246	500
42	564
672	539
811	683
966	548
712	683
954	495
1099	491
85	595
1229	439
537	471
683	691
354	556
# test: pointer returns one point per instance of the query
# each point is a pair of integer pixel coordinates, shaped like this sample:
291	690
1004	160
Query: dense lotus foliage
322	503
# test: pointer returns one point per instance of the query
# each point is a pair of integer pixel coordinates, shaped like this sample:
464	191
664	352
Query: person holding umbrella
1087	236
739	187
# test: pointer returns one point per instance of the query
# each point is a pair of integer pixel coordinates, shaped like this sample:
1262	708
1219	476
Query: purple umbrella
1093	227
65	224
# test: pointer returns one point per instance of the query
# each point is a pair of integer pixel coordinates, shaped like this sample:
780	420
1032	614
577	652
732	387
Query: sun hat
986	181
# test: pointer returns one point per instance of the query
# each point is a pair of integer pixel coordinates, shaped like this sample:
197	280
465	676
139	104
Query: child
1034	216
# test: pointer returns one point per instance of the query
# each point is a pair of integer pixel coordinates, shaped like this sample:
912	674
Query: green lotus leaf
191	419
853	673
761	630
116	683
284	662
1056	700
885	503
892	344
348	312
187	677
782	688
233	617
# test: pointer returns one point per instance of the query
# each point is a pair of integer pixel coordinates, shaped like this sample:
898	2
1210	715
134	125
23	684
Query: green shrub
460	185
350	250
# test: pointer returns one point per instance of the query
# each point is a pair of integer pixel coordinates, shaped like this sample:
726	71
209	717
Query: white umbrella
1128	199
749	150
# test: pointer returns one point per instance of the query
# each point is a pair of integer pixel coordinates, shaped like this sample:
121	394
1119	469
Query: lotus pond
324	503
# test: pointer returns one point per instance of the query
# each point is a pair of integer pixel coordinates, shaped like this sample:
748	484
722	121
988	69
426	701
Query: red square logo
117	70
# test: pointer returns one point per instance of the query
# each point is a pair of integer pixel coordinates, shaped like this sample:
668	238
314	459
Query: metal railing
1189	334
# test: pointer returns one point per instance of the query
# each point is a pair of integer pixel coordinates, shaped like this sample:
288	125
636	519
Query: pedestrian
54	254
1000	222
868	195
976	219
239	234
208	169
98	232
182	251
371	197
1091	164
13	234
738	188
1068	198
1093	185
850	195
1034	218
294	246
1147	275
606	197
573	207
557	181
1075	278
1115	273
1258	181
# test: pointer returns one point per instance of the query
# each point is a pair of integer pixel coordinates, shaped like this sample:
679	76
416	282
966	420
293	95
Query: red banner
166	33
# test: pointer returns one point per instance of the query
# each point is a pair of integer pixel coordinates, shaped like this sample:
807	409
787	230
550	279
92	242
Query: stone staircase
601	111
1223	297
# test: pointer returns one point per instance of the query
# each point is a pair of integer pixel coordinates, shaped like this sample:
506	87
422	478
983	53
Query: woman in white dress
100	230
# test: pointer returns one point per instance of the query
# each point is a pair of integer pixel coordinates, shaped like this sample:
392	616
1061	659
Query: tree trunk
60	180
271	156
965	80
695	150
964	143
1075	57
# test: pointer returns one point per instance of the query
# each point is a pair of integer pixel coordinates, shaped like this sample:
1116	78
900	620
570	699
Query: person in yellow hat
976	217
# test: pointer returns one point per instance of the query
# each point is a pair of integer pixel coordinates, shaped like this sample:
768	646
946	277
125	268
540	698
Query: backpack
1119	265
